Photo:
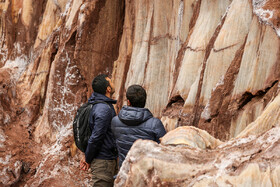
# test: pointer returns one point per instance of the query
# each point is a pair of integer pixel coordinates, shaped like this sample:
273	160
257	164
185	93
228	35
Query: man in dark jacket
135	122
101	150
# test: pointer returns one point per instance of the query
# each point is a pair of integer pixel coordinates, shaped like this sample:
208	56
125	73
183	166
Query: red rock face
6	96
209	64
51	52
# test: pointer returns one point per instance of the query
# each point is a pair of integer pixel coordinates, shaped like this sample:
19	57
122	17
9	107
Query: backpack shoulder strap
96	102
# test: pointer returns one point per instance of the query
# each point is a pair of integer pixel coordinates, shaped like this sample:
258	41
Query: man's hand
84	165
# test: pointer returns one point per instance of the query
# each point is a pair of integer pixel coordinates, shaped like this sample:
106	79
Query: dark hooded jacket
101	144
132	124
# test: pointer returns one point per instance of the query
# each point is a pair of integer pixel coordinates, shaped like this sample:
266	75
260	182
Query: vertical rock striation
209	59
211	64
50	52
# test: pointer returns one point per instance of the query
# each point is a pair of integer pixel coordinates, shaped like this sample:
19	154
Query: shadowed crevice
247	96
174	107
176	99
54	52
122	89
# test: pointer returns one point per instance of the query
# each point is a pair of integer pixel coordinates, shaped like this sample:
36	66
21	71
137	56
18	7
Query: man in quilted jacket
135	122
101	152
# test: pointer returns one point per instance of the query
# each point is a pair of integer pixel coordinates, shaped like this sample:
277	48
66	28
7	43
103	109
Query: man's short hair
136	95
100	84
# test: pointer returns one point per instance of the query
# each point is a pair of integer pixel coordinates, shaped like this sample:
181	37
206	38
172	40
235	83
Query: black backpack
81	129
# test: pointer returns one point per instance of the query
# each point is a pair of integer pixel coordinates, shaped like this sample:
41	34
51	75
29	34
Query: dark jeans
103	172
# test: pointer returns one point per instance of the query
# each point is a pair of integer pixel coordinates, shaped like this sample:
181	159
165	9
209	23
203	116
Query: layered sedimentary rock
210	59
212	64
240	162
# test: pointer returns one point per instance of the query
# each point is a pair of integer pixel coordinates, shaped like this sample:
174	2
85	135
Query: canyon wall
50	51
210	64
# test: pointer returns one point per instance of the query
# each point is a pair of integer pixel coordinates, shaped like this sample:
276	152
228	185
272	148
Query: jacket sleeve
159	130
102	120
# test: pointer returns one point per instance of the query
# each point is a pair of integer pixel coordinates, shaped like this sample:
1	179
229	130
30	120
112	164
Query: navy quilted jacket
132	124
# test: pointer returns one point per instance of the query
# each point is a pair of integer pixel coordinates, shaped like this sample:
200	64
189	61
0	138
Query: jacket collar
100	97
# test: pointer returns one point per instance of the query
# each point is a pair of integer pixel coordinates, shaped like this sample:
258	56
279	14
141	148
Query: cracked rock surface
211	69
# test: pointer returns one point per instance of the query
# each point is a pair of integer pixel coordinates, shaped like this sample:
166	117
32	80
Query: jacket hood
99	97
133	116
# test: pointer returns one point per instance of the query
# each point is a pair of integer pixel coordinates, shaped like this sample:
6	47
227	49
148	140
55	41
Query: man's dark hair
136	95
100	84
